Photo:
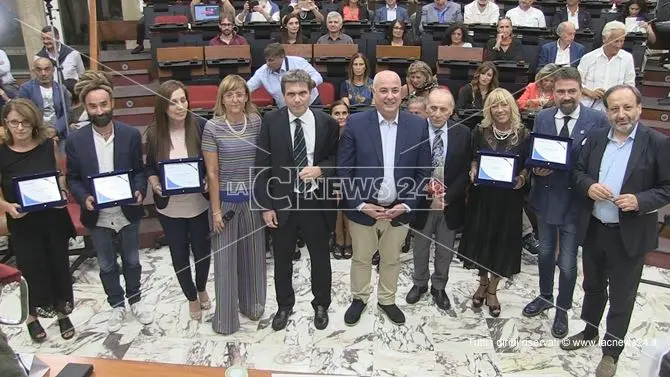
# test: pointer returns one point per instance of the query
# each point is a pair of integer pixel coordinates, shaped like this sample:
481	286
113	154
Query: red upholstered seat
202	96
326	93
9	274
260	97
171	20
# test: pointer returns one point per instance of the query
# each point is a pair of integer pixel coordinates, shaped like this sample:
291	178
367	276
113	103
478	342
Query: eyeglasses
16	123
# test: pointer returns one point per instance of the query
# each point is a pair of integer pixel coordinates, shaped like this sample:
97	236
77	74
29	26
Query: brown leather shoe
606	367
577	341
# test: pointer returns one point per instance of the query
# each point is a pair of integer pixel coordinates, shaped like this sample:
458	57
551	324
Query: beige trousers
366	240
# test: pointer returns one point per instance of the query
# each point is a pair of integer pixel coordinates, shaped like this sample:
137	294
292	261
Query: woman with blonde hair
41	251
175	134
229	147
491	239
539	94
420	81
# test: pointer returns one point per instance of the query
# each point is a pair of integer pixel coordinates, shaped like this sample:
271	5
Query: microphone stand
60	80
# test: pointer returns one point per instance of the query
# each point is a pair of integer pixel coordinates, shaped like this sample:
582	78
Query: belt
606	225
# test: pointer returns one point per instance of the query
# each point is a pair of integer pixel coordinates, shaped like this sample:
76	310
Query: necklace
238	133
501	135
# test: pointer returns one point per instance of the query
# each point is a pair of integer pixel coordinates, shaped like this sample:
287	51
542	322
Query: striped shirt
236	148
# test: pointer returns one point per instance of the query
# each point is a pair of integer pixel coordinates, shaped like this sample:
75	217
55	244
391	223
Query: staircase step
660	74
131	77
651	110
656	89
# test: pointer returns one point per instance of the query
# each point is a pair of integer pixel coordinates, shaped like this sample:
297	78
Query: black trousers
186	236
141	31
605	261
310	221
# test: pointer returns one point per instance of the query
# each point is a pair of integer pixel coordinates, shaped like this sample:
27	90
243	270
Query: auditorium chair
261	98
171	22
9	275
326	93
202	96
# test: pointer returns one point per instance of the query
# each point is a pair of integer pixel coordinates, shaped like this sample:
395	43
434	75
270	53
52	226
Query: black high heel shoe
36	331
66	328
494	311
478	301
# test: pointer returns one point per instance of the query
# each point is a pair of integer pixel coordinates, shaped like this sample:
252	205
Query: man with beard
228	36
555	202
624	174
105	146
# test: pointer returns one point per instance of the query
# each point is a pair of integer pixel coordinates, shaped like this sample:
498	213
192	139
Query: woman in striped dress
229	148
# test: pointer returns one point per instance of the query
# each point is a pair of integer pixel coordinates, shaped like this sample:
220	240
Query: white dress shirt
562	56
474	15
391	13
598	71
308	123
574	18
5	69
271	80
532	17
112	218
571	123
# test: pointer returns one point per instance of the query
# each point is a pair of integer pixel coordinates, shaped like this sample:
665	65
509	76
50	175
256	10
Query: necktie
299	153
564	131
438	149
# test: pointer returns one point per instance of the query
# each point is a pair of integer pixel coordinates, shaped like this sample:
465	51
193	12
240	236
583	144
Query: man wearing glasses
228	36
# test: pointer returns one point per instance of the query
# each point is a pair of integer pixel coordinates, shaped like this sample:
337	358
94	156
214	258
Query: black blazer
561	15
82	162
647	176
275	182
456	178
151	167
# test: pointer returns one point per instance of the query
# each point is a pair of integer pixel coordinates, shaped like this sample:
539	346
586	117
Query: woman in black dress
505	46
40	239
491	239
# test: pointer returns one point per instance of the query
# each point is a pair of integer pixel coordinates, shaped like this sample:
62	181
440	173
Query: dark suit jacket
548	54
275	180
553	197
151	167
31	90
361	164
647	176
82	162
583	16
457	165
401	14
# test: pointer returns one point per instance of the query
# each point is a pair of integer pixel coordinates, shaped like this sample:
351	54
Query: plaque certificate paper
550	152
496	169
112	189
38	192
182	176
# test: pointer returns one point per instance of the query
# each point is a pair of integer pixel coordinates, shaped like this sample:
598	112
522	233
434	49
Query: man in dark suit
441	215
582	16
104	146
384	160
565	51
623	172
297	147
555	202
386	13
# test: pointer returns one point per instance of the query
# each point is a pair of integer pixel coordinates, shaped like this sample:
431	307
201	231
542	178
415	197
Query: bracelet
216	213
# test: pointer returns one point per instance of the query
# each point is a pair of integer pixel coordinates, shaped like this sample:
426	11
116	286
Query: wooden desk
114	368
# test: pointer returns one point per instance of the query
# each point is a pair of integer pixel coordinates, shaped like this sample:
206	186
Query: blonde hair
93	80
497	96
422	68
232	82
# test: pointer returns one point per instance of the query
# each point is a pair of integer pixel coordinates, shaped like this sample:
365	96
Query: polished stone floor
459	342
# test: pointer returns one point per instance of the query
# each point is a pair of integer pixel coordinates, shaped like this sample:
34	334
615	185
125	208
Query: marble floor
459	342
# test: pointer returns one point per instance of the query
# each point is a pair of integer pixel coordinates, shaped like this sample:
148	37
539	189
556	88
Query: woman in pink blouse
352	10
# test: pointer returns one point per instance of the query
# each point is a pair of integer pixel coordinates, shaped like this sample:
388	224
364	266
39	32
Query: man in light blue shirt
276	65
441	11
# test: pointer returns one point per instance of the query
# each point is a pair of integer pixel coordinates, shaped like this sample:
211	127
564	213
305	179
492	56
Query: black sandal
494	311
337	251
478	301
348	252
36	331
66	328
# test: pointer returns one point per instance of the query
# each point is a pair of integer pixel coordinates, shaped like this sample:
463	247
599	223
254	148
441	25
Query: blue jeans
126	242
566	237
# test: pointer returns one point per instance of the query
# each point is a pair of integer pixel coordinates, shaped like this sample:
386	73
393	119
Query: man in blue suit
48	96
391	12
384	159
555	201
105	146
565	51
